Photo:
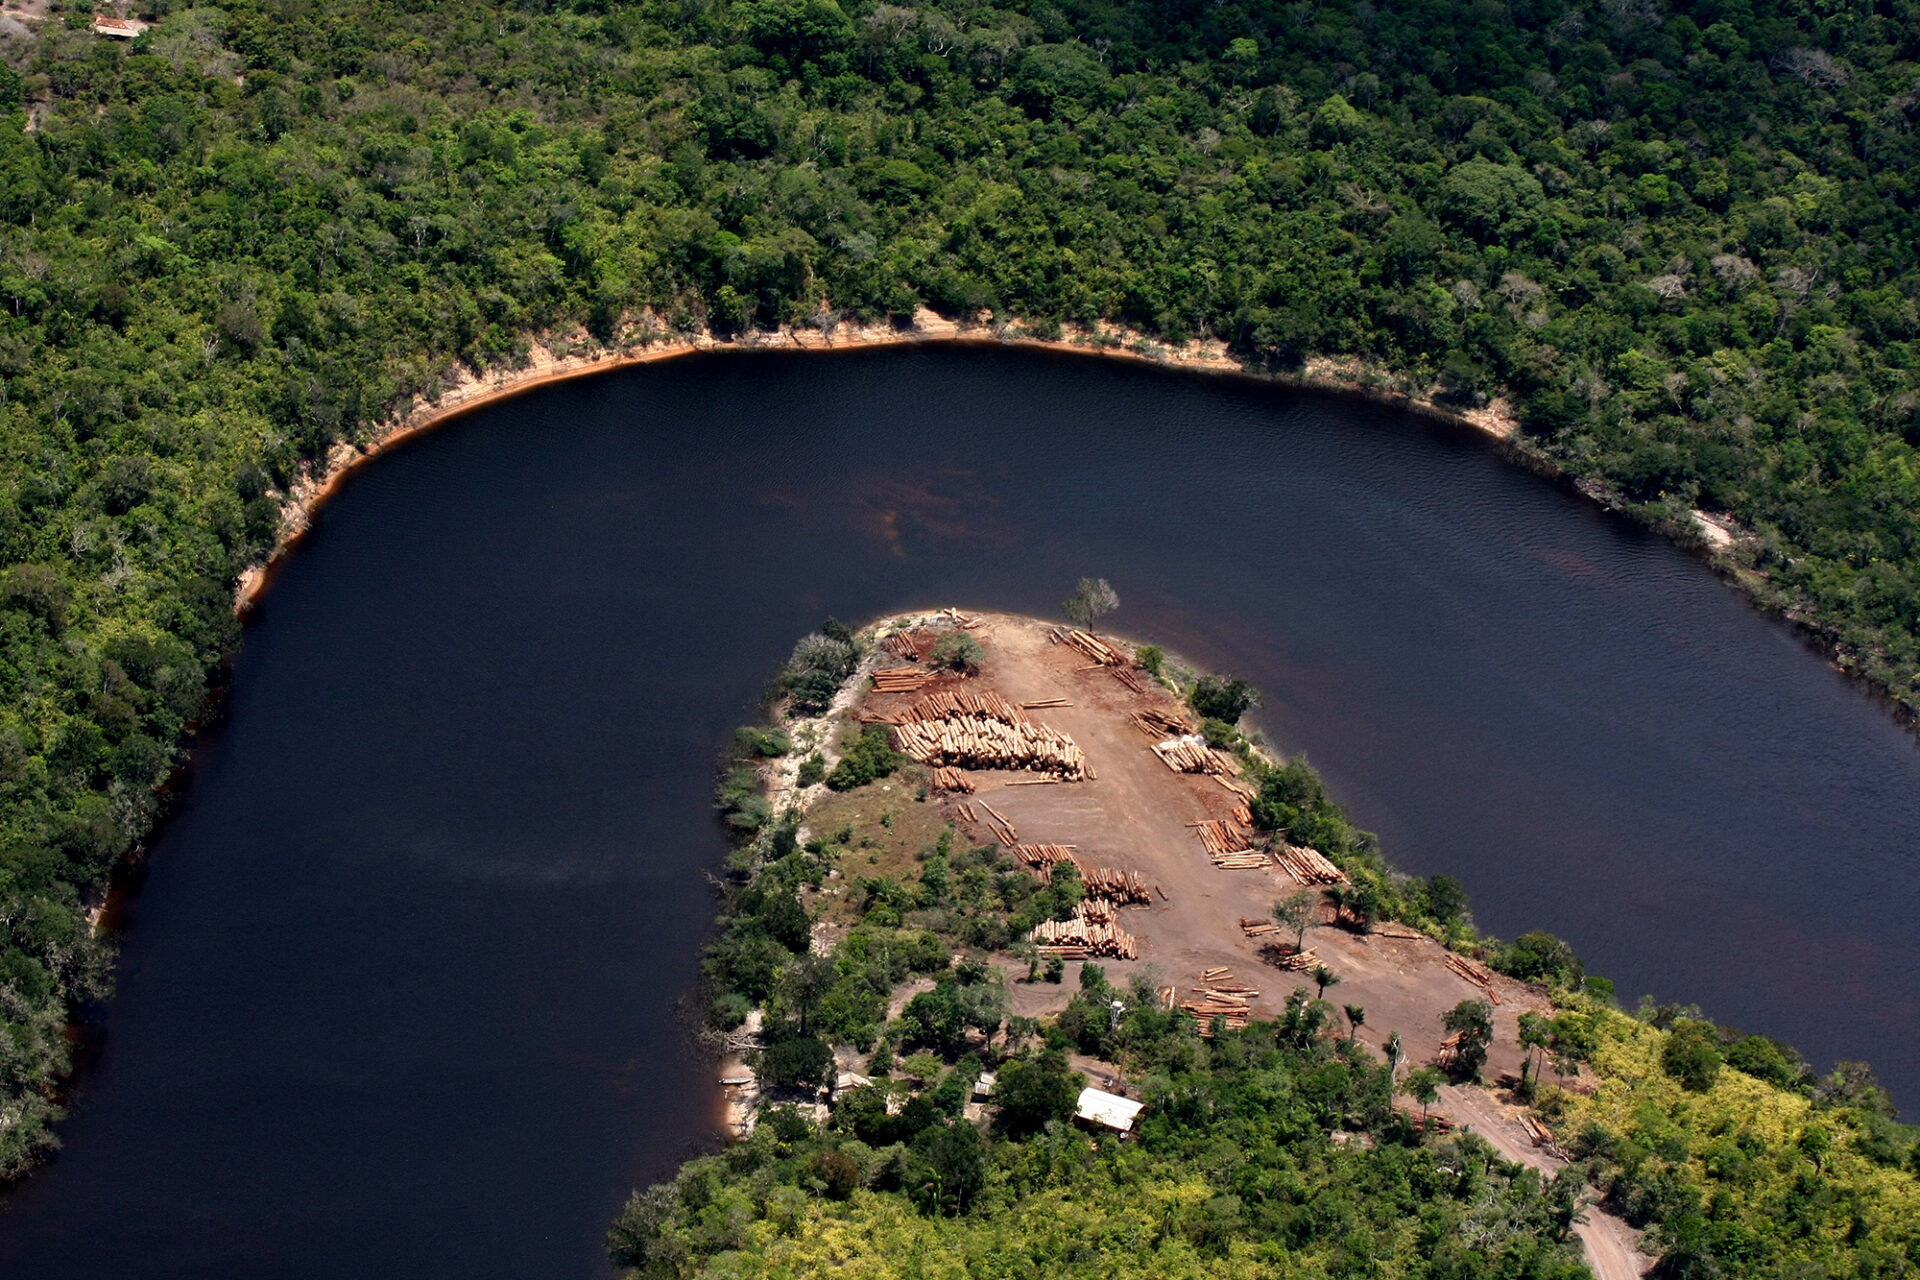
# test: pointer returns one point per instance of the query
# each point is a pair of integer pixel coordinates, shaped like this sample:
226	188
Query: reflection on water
399	993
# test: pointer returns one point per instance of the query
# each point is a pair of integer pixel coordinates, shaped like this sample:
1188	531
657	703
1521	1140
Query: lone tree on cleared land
1472	1021
1296	912
1423	1086
1091	601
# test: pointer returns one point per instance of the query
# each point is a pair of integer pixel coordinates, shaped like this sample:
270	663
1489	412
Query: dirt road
1613	1247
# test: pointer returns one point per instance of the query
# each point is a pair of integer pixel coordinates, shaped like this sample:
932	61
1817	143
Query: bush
958	651
763	743
803	1062
1691	1054
1541	957
1030	1092
813	770
867	759
1224	698
1150	658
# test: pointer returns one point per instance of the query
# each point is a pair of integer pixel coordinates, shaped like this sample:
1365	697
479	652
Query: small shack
1103	1110
118	28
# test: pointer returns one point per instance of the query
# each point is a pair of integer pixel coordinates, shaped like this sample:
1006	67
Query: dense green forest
1680	237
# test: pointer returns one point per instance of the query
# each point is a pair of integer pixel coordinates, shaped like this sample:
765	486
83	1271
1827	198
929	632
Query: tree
1535	1032
1298	912
1031	1092
1356	1018
1471	1023
951	1167
1691	1054
958	651
807	981
1323	978
1223	698
803	1062
1091	601
1423	1086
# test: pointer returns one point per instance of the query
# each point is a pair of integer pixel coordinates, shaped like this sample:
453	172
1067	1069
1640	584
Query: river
399	990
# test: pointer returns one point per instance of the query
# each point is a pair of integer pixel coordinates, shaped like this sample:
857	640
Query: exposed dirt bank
565	360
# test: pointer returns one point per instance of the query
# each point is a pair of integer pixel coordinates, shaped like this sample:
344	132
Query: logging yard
1058	749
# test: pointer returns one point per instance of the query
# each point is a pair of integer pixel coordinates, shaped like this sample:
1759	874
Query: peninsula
1029	941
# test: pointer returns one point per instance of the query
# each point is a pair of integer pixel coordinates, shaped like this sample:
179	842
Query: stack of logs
1102	653
1220	837
1130	678
1045	855
911	645
1229	1004
998	823
1472	973
984	731
1190	754
1308	866
948	778
1282	956
902	679
1257	928
1157	723
1078	939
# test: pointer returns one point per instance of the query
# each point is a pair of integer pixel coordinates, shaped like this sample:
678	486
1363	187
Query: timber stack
1190	754
902	679
1308	866
1472	973
1114	884
1220	837
1282	956
948	778
1044	855
1102	653
1157	723
979	735
1076	939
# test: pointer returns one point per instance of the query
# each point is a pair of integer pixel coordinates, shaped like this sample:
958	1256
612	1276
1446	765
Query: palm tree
1356	1017
1324	978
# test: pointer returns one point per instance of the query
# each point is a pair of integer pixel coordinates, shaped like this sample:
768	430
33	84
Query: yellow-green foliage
1758	1179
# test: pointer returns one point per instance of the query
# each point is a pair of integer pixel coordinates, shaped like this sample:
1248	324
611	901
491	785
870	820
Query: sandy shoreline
556	363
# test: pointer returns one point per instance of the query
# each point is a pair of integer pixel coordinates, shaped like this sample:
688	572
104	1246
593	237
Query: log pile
1158	723
967	814
960	704
1245	790
1397	931
1210	1003
1283	955
1114	884
1044	855
1257	928
1218	973
1190	754
1251	860
1308	866
985	740
1076	939
1039	703
1001	826
1130	678
1472	973
1541	1135
1243	815
948	778
961	620
910	645
1094	911
902	679
1220	837
1102	653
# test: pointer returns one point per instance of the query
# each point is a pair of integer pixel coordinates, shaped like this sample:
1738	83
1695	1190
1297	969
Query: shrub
867	759
803	1062
958	651
763	743
1150	658
1224	698
1691	1054
813	770
1541	957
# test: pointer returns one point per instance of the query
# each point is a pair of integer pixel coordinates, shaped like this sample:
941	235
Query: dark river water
398	993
